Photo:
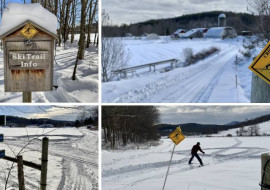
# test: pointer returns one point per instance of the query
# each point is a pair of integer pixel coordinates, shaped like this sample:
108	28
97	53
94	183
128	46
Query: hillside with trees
204	129
240	21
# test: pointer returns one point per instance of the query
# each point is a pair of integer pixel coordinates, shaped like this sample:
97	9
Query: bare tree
80	54
114	56
262	9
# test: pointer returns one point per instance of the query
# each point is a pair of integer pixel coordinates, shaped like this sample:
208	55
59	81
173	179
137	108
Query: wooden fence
125	71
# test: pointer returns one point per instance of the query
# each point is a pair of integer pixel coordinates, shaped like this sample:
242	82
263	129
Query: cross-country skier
194	151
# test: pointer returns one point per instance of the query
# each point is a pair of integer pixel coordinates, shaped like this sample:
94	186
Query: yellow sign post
176	137
261	65
28	31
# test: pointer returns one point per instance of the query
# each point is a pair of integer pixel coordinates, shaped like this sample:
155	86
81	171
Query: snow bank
152	37
17	13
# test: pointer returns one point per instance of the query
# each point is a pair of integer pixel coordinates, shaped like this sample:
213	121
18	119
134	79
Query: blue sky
210	114
126	11
35	112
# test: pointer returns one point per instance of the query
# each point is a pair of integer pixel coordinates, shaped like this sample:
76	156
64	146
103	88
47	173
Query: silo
222	20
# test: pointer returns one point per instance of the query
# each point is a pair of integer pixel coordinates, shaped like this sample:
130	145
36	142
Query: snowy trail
134	173
76	159
196	85
209	80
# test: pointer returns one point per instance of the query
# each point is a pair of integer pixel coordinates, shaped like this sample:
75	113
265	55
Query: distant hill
204	129
240	21
233	123
19	121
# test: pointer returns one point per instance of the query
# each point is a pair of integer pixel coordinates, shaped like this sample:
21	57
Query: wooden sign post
28	59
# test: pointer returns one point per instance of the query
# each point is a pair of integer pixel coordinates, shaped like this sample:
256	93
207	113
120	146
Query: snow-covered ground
234	163
73	157
264	129
210	80
83	89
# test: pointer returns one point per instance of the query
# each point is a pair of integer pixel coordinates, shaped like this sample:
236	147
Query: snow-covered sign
29	43
261	65
177	136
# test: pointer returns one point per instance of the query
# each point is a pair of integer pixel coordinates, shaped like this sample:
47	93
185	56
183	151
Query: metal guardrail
150	65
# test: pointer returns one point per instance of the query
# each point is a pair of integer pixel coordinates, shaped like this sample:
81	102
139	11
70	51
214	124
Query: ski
204	165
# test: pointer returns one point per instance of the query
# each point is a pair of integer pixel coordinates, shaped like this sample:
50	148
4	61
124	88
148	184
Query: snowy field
210	80
73	157
234	163
264	129
83	89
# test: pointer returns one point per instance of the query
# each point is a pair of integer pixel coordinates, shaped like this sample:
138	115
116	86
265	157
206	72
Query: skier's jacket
195	149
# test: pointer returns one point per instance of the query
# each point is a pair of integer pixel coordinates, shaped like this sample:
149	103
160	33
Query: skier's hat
198	143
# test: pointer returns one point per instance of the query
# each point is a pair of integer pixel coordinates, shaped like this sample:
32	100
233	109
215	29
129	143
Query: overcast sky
35	112
210	114
127	11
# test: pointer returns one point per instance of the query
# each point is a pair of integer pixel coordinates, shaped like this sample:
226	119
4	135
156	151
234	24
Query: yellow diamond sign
261	65
177	136
28	31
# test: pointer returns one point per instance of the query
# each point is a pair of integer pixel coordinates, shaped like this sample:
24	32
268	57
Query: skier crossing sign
177	136
261	64
28	31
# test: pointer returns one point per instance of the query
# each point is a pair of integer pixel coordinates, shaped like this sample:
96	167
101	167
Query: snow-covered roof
178	31
222	16
16	14
215	32
190	32
193	31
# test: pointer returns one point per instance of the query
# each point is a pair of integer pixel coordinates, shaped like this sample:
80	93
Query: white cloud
126	11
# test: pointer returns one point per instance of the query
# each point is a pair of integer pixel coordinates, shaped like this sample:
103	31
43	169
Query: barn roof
216	32
178	31
17	14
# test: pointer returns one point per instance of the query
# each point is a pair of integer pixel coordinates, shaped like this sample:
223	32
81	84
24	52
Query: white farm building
221	32
194	33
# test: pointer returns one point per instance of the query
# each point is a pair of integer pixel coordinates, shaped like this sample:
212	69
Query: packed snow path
210	80
83	89
232	161
73	161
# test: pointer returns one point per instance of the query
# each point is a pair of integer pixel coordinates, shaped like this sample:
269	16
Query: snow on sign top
16	14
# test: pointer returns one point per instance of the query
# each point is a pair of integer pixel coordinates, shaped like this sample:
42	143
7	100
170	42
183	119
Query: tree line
129	124
240	21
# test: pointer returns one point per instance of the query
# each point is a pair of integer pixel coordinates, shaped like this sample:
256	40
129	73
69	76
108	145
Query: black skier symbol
176	136
267	66
28	30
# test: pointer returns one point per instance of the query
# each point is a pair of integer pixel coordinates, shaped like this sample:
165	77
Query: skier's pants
197	156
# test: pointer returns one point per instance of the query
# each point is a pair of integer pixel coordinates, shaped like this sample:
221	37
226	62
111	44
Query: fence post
265	171
44	163
20	173
260	90
27	97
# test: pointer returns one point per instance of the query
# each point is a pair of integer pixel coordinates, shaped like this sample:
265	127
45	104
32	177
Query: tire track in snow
154	171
